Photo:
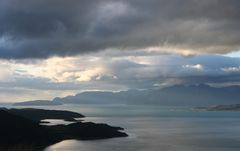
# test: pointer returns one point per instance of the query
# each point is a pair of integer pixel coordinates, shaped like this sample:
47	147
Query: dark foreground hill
41	114
17	130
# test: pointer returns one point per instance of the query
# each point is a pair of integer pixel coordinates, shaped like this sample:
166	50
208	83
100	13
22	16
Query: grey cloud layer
129	73
44	28
36	80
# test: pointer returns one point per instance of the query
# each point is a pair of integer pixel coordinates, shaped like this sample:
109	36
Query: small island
21	129
231	107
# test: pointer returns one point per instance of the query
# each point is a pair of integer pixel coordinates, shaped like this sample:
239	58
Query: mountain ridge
179	95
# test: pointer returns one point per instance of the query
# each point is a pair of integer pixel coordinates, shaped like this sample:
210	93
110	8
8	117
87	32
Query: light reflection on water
160	129
50	122
154	128
167	134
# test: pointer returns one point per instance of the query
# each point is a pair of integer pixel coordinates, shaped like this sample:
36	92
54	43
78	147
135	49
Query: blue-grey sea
155	128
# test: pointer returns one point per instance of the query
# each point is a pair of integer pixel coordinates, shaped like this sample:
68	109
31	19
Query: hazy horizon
173	65
58	48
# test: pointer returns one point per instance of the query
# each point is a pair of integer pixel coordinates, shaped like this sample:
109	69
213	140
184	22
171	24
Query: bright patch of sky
234	54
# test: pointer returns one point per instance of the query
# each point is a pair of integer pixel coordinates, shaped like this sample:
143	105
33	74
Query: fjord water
154	128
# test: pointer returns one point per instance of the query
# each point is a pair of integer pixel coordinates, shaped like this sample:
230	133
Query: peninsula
231	107
21	129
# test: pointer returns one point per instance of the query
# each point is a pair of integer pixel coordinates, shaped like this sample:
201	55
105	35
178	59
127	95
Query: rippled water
153	128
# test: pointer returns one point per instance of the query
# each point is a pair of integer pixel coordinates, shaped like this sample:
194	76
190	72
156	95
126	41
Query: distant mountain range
178	95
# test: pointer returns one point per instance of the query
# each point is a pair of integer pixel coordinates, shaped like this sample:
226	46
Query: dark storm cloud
43	28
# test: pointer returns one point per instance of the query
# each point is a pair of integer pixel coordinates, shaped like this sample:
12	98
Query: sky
52	48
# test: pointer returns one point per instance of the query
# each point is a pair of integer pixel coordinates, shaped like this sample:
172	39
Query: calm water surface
153	128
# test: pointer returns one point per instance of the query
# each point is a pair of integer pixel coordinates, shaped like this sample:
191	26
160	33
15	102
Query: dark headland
231	107
20	129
